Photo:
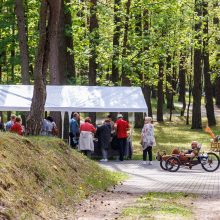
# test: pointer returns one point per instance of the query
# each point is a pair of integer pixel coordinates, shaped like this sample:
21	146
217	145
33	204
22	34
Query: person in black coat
103	134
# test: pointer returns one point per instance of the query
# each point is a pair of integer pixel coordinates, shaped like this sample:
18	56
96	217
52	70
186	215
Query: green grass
174	134
42	175
161	206
177	109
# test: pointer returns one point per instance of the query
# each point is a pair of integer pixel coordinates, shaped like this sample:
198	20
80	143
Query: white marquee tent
75	98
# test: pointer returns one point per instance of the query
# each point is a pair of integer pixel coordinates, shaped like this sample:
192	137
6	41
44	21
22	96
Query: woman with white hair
147	139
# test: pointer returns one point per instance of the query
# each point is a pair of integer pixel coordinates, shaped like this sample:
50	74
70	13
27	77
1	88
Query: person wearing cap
147	139
121	127
86	145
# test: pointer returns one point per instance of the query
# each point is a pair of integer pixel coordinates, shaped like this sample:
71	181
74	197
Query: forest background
170	48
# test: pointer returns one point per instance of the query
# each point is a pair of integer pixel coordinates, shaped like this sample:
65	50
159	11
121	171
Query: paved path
151	178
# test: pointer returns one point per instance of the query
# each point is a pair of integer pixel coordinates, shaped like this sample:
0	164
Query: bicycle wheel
210	163
172	164
163	164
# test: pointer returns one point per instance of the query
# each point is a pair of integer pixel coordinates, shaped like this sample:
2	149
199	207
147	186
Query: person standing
147	139
109	117
17	126
74	130
51	126
9	124
86	145
121	127
103	134
44	127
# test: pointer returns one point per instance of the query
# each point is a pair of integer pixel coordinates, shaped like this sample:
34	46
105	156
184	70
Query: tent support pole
133	119
62	120
132	125
69	114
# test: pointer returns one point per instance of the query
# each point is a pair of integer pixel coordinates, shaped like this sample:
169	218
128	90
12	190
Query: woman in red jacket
17	127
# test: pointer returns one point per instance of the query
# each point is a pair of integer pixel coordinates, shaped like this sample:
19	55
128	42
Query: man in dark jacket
103	134
74	130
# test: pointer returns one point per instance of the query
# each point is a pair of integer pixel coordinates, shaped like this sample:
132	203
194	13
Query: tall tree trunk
216	22
125	78
2	62
124	74
116	37
169	82
36	115
66	64
66	59
173	86
160	95
53	26
70	61
197	88
182	83
217	91
207	81
147	95
146	88
57	50
138	62
13	51
94	36
62	47
190	94
23	41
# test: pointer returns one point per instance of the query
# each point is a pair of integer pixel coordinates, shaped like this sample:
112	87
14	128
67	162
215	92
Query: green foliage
155	29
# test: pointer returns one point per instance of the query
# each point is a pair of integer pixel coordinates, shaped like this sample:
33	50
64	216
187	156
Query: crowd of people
15	125
110	135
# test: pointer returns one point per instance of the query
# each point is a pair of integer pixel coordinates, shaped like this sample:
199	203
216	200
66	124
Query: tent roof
75	98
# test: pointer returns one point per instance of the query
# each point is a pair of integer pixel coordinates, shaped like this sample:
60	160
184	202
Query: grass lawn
161	206
174	134
42	176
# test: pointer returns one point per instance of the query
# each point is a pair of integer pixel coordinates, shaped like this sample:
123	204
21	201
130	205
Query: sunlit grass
46	174
161	206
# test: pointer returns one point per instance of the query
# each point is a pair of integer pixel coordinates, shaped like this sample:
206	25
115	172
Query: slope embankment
42	178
